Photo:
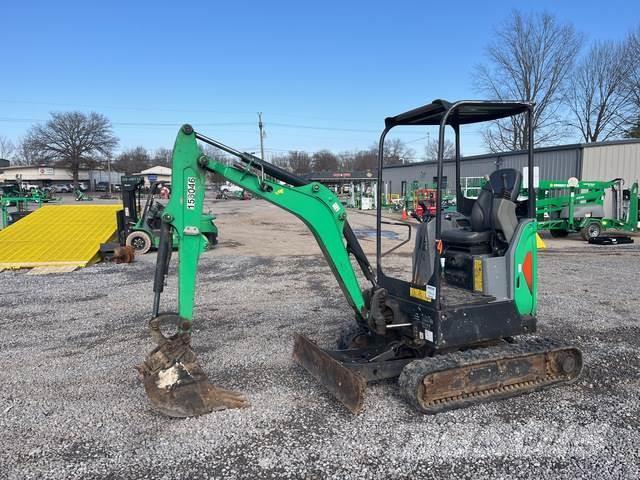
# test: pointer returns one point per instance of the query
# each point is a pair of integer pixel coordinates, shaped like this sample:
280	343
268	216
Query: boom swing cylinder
445	355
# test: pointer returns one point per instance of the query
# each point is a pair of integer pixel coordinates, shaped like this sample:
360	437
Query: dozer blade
346	385
176	383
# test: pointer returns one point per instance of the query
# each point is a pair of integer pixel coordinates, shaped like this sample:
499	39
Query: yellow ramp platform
60	235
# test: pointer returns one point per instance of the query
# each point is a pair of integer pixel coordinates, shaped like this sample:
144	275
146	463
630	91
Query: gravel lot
71	405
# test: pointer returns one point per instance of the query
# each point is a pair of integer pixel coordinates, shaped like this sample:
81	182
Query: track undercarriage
442	381
477	375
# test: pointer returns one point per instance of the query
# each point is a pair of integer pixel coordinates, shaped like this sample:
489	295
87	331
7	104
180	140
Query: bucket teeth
177	385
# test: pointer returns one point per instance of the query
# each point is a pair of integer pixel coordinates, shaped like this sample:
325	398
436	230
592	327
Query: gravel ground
71	405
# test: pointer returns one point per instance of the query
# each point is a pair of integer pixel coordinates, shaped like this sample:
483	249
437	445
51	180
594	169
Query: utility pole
109	170
260	126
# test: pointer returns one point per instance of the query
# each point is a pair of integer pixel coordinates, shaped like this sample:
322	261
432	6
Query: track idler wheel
174	380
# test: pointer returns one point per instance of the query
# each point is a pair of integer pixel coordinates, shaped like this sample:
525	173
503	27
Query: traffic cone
404	213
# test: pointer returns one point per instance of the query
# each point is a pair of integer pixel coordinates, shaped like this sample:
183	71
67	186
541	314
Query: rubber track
414	373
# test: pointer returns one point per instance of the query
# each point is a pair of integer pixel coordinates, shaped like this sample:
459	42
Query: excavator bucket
176	384
343	383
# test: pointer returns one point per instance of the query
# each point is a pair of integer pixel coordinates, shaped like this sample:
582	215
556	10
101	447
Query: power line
336	129
215	124
18	120
418	139
137	124
173	110
114	107
204	124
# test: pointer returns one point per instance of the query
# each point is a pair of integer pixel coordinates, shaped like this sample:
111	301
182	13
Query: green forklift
142	224
456	334
580	206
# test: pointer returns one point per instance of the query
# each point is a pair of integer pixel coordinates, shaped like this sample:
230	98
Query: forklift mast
149	202
131	185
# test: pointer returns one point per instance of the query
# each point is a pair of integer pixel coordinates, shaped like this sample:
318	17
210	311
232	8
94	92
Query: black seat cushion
465	237
503	184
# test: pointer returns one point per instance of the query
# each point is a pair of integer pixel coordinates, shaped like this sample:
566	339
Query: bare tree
25	154
72	139
633	81
346	160
162	156
324	161
7	148
133	161
396	152
299	162
633	57
431	150
218	155
529	60
597	95
281	161
364	160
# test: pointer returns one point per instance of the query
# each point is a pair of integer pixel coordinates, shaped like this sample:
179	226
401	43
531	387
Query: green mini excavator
455	335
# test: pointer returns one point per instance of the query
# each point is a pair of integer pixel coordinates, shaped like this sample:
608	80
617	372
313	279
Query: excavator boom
312	203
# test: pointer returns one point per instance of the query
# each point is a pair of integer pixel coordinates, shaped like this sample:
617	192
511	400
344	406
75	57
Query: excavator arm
173	379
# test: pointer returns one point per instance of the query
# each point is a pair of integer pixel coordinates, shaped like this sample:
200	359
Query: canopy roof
471	111
157	170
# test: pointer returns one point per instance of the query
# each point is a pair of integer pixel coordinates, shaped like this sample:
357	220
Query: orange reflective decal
527	270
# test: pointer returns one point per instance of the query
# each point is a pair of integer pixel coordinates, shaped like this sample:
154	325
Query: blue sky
338	67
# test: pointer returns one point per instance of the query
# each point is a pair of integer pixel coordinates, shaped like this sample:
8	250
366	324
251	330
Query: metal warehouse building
43	175
592	161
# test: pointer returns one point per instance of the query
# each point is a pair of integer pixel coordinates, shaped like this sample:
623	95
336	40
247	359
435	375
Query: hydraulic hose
165	248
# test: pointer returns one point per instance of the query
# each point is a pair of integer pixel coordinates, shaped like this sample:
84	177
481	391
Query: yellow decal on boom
419	293
477	274
280	191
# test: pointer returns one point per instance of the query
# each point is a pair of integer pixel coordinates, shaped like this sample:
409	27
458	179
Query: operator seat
493	210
